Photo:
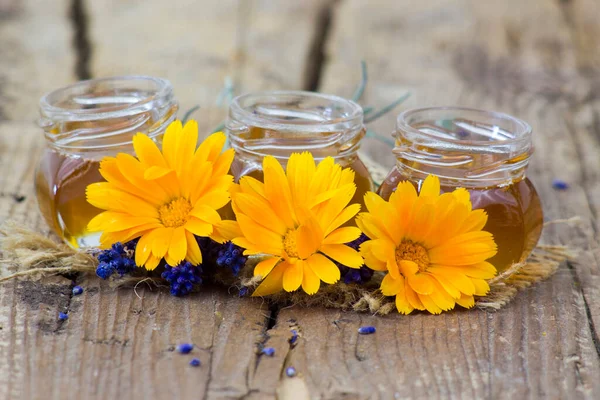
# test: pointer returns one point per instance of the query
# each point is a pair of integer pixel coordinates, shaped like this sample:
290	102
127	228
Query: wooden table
536	59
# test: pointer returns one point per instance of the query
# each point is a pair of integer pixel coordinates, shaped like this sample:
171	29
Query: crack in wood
81	42
316	56
588	313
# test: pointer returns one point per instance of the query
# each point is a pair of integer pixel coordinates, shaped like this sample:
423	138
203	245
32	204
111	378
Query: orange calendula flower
432	247
294	217
164	198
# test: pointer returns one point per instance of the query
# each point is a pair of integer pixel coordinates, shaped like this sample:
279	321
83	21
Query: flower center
289	243
414	252
175	213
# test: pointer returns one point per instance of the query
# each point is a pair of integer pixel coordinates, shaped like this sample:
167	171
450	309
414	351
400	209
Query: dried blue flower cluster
232	257
352	275
63	316
118	259
182	277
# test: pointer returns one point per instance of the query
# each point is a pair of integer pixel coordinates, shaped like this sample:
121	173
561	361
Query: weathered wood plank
35	44
116	344
479	54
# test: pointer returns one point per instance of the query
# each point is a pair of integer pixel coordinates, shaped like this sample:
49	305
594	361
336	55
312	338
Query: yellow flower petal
198	228
324	268
402	304
310	280
226	230
391	286
441	297
259	210
429	304
161	239
273	283
466	301
147	152
211	147
481	287
464	249
342	235
343	254
346	215
154	172
143	250
300	172
206	214
292	277
277	190
430	187
421	283
152	263
386	216
178	247
170	143
194	255
260	235
413	298
308	238
264	267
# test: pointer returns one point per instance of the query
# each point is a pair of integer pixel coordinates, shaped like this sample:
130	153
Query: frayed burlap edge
26	253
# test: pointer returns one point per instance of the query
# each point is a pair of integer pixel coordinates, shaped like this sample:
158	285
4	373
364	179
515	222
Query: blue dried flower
209	248
352	275
232	257
63	316
294	337
182	278
243	291
560	184
195	362
185	348
366	330
118	259
268	351
77	290
290	371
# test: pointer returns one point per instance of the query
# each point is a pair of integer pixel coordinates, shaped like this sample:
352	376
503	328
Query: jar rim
521	134
238	111
49	109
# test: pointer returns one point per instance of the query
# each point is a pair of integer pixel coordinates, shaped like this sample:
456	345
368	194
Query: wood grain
487	55
119	343
537	60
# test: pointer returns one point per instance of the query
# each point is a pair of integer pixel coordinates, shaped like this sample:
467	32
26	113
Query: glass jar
485	152
82	123
279	123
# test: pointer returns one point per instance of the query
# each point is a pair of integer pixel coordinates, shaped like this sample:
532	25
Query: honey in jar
84	123
485	152
280	123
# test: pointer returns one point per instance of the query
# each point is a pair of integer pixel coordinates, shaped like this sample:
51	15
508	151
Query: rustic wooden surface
538	60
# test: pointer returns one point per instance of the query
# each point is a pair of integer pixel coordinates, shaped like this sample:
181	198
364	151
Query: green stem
363	82
387	108
188	113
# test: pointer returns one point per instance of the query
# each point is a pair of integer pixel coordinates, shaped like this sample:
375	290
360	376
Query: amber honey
82	124
486	153
60	186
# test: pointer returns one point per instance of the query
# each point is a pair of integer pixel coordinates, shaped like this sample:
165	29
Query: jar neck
103	115
284	122
463	147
